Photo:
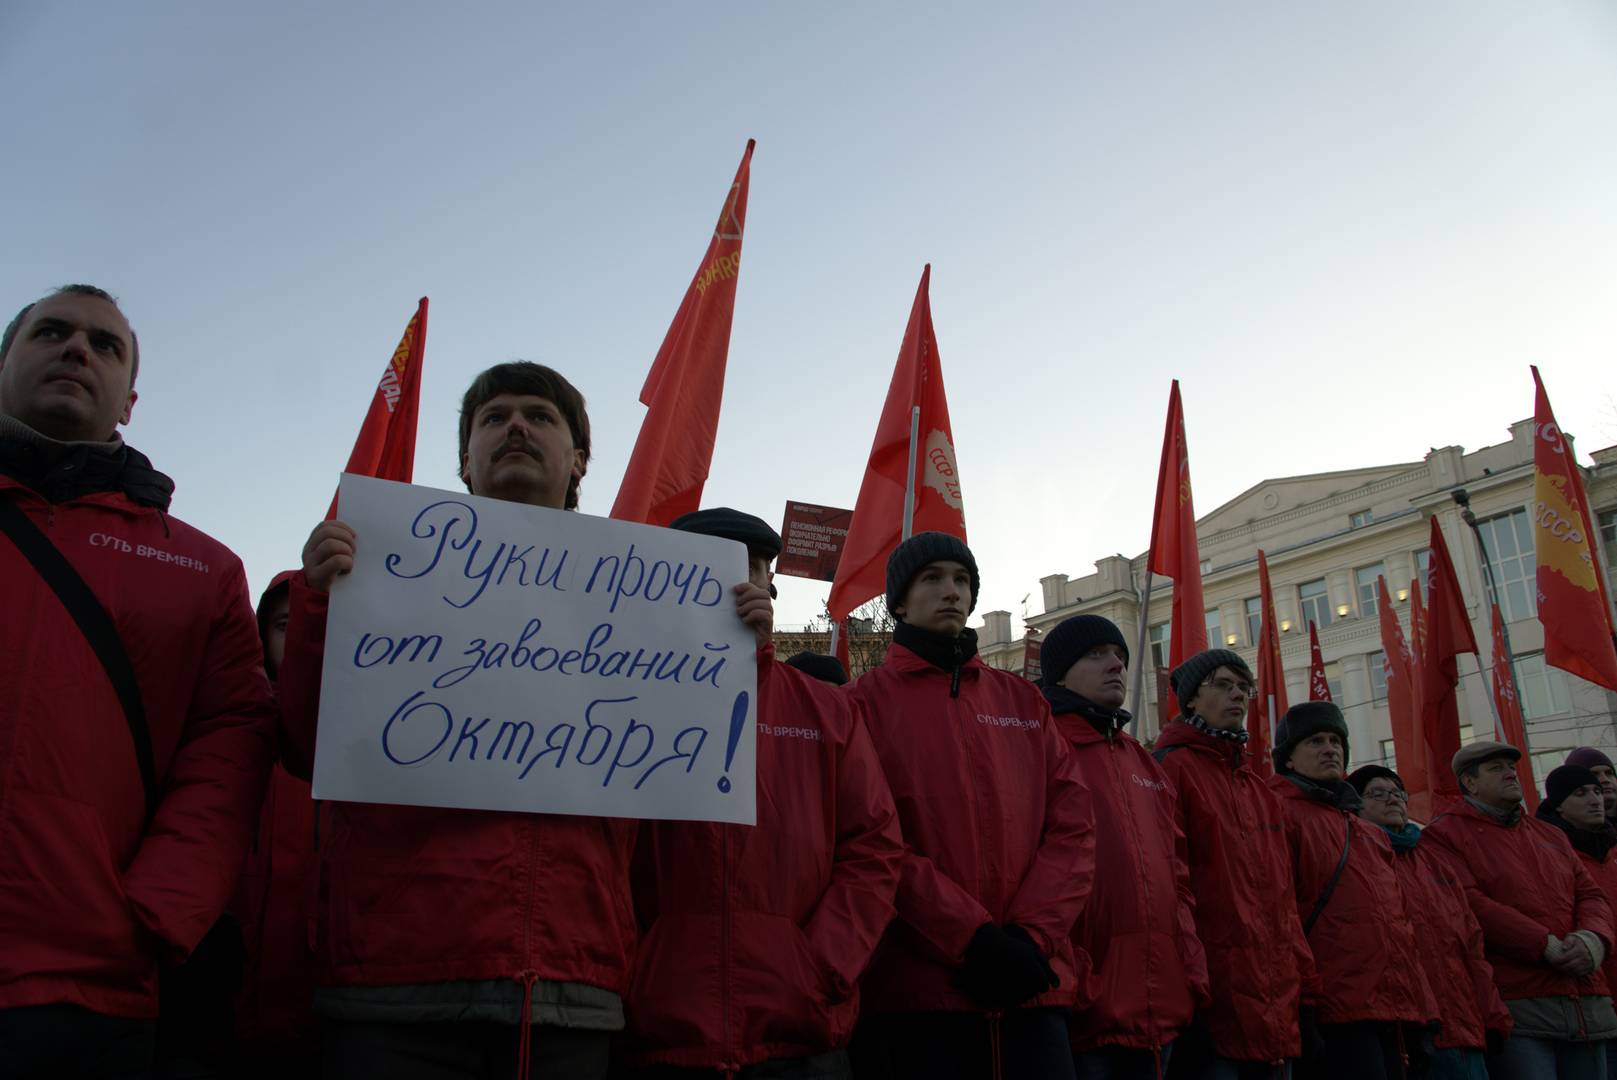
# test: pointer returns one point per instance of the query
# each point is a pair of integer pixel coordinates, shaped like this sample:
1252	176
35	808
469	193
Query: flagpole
1141	652
1463	498
909	476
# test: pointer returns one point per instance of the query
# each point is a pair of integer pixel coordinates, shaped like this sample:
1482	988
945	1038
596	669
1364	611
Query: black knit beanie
1360	778
1305	719
1188	677
912	555
820	666
1071	641
1563	781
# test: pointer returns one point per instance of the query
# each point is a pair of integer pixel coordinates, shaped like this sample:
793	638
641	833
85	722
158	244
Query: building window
1509	540
1542	689
1254	619
1377	662
1423	566
1608	537
1333	680
1313	603
1215	633
1159	645
1365	580
1359	519
1389	756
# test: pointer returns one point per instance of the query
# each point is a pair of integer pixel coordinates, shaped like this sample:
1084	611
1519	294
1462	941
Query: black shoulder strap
1163	751
1330	886
98	630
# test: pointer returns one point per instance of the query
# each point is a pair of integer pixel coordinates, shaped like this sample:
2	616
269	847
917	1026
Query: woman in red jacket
976	974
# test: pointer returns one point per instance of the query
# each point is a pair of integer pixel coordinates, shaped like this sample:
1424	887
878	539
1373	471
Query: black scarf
60	471
1106	721
1594	843
1238	735
946	651
1338	794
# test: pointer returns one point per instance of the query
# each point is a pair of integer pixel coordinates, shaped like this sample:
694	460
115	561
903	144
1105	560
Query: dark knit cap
1360	778
1188	677
728	524
820	666
1563	781
1071	641
910	557
1305	719
1588	757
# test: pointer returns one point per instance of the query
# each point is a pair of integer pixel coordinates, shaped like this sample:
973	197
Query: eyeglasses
1224	686
1394	795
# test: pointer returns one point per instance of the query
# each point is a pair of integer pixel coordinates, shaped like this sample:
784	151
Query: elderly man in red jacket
975	978
756	936
136	724
1138	930
1546	924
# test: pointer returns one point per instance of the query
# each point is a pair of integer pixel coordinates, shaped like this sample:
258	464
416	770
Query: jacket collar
1179	733
60	471
1596	843
1487	813
1104	722
1337	794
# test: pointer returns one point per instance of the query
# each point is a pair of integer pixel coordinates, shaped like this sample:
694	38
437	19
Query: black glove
1308	1028
1496	1041
1004	968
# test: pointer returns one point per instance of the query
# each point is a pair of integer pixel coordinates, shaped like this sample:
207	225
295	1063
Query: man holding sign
461	943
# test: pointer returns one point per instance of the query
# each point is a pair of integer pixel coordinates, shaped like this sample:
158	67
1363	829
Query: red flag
686	385
1448	634
1268	705
878	516
1174	552
1571	597
1397	664
1420	803
385	447
1512	730
1319	688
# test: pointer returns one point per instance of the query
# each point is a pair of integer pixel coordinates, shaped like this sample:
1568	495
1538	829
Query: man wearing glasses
1240	872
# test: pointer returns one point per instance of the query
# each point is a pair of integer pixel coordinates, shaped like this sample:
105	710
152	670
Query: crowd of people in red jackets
954	872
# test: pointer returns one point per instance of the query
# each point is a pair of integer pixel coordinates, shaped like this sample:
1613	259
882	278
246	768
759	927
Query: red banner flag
1512	728
1398	664
1420	803
878	516
1268	705
683	392
1174	552
1448	634
1319	688
385	447
1571	597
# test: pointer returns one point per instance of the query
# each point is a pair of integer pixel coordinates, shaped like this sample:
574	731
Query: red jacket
417	894
757	935
1451	951
1139	927
997	825
91	898
1363	942
1524	883
1246	912
1604	873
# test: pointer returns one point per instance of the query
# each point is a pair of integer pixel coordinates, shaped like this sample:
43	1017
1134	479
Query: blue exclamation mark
738	721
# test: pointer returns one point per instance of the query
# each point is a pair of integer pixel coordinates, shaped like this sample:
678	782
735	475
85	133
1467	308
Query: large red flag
1571	597
1397	663
1448	634
1512	729
878	517
1418	801
385	447
686	385
1268	705
1174	552
1319	688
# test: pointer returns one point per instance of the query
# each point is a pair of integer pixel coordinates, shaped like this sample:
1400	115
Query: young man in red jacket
1373	1001
468	943
1138	930
976	975
1258	963
127	797
756	936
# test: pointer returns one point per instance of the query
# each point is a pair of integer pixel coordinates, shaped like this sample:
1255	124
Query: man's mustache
518	448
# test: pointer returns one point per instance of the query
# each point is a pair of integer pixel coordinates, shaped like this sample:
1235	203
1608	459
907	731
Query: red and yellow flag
1268	705
1512	729
1398	664
1572	604
385	447
1319	688
669	465
1174	552
1448	634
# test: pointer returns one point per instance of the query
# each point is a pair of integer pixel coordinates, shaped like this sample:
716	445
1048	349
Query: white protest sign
497	656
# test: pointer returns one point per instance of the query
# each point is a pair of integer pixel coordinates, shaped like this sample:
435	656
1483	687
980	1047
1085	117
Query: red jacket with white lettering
1139	927
1363	941
1524	883
418	894
997	822
1451	949
91	897
1246	916
756	935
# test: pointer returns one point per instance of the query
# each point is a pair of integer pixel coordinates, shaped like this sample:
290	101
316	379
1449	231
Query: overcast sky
1347	228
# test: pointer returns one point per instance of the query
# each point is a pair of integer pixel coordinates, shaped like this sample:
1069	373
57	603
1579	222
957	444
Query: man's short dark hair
76	290
526	377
